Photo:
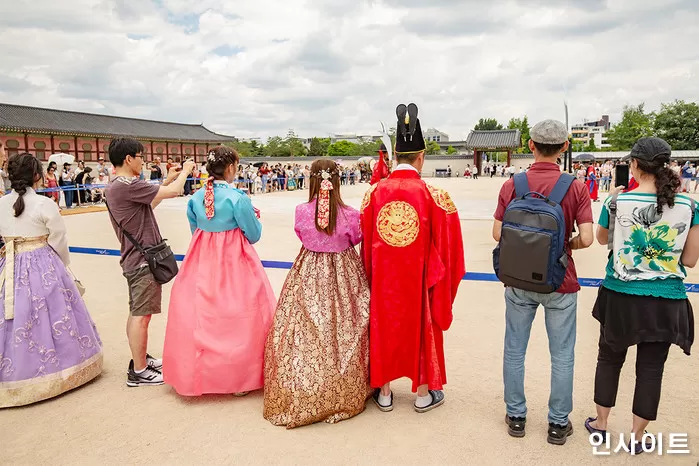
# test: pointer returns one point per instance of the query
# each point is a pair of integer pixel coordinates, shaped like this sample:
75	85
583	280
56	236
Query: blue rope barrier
470	276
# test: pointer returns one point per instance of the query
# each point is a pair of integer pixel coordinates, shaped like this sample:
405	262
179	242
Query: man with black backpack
534	221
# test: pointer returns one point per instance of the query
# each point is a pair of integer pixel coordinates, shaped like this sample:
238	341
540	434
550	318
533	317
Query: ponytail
23	170
667	183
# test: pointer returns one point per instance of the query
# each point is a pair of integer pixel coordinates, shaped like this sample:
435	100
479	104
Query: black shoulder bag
160	258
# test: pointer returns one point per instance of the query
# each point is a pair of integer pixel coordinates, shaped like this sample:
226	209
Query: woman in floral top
643	301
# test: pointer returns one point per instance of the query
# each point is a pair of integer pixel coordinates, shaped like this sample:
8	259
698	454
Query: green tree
451	150
341	149
591	146
678	124
635	123
318	149
522	124
487	124
276	147
294	144
257	150
432	148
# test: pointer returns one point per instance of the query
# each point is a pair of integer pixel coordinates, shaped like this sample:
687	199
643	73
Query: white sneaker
149	376
156	364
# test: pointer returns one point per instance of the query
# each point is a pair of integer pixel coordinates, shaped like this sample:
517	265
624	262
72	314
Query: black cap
409	139
649	149
383	148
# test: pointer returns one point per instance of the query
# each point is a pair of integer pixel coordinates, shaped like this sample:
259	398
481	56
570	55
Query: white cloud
260	67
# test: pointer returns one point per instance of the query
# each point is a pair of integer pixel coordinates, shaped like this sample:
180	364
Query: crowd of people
70	187
382	311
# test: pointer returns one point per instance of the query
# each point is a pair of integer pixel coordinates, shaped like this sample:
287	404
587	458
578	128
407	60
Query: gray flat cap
549	132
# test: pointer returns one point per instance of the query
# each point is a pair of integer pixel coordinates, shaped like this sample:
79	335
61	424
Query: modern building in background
435	135
43	131
592	130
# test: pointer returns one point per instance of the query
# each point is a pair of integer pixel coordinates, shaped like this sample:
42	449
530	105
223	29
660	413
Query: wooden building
43	131
505	140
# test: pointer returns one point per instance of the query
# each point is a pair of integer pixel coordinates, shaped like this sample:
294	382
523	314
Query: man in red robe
381	168
413	255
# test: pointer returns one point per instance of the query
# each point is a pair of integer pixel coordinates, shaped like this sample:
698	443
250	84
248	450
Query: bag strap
561	188
136	244
521	184
612	222
694	209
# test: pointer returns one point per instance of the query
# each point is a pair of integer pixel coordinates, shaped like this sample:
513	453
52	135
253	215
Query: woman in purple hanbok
48	342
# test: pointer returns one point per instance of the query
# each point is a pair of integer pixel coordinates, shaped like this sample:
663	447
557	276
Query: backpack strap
561	188
694	210
612	222
521	185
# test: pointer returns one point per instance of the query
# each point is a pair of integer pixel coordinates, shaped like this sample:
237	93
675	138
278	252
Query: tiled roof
499	139
19	118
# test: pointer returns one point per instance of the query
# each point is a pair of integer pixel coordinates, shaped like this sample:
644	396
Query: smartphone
621	175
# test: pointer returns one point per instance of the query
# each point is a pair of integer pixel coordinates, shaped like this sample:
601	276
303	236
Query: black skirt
627	320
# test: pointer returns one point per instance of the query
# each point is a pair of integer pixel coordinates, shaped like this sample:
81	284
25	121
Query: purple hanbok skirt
51	344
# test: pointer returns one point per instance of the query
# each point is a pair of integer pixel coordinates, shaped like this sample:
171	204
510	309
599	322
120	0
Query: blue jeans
560	312
68	195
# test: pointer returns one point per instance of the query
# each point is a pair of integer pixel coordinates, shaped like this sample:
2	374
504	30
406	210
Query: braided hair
24	170
218	159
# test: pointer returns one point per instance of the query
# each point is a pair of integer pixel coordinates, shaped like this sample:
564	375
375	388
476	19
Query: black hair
24	170
667	183
407	158
547	150
222	157
119	148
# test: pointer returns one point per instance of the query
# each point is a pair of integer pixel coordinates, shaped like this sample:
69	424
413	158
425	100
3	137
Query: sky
257	68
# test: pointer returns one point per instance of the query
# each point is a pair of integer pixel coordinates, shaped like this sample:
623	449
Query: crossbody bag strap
612	222
136	244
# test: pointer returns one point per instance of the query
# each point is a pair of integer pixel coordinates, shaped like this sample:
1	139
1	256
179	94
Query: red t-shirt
577	209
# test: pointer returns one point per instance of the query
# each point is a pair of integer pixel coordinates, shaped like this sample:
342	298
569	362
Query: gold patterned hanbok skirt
317	352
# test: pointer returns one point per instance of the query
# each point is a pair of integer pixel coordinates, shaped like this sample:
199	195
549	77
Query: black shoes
558	434
516	426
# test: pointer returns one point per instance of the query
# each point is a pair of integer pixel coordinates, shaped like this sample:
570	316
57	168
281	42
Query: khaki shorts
145	294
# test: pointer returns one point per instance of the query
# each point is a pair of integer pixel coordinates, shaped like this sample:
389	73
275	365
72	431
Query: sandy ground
105	422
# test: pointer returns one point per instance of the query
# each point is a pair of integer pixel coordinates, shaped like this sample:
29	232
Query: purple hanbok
48	342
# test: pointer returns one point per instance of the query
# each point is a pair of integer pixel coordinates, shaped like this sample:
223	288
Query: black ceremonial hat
409	137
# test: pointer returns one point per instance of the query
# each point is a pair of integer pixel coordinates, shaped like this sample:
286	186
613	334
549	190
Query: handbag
160	258
78	283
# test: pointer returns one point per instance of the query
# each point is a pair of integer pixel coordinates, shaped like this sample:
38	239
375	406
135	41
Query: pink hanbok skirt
221	309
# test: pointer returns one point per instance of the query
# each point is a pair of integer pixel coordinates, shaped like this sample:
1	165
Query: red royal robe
414	258
380	170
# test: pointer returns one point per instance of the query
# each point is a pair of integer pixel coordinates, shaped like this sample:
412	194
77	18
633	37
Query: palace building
43	131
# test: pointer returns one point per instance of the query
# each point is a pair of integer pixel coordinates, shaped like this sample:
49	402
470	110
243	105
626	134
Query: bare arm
585	237
602	235
690	253
497	230
170	188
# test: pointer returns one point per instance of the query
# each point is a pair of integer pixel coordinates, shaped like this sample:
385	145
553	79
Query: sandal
437	401
384	408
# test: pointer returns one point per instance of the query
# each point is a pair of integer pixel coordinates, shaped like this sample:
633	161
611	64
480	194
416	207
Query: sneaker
149	376
384	408
156	364
558	434
516	426
437	401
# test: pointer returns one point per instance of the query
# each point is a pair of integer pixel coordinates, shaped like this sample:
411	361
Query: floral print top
648	246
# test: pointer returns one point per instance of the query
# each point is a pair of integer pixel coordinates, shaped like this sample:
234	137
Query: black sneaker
516	426
558	434
149	376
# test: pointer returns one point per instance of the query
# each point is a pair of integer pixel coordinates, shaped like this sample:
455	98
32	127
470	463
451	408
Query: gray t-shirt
129	201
